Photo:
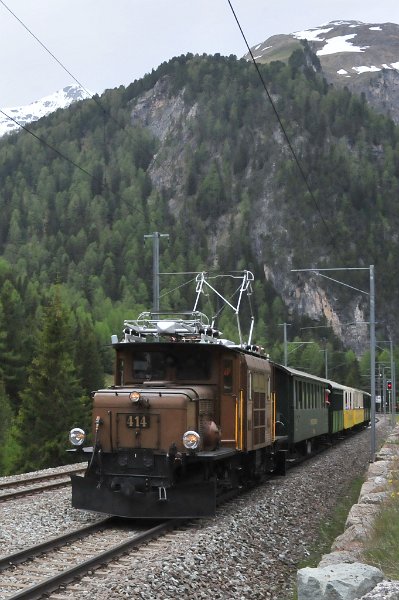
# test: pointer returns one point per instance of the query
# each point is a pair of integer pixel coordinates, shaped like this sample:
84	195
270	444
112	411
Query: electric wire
303	175
105	112
45	47
43	141
176	288
64	157
93	97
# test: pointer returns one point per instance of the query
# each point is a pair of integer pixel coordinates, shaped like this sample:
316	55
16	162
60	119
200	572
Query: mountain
194	150
364	57
41	108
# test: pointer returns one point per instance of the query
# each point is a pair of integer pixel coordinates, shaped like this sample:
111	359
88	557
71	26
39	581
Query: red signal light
389	385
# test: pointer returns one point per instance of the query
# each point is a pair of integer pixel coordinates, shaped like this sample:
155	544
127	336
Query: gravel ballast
250	550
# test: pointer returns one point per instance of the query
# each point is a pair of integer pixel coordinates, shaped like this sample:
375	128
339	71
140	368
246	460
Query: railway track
29	485
59	561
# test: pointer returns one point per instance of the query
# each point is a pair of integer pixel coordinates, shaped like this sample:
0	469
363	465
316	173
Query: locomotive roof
192	327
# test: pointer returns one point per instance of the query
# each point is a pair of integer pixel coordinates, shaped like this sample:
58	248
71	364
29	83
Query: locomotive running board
188	501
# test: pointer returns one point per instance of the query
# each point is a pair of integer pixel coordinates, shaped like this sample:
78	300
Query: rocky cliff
175	119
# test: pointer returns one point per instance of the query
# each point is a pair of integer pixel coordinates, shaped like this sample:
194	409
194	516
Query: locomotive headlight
191	440
134	397
77	436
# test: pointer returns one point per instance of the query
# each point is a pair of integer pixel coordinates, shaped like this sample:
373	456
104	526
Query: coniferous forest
79	193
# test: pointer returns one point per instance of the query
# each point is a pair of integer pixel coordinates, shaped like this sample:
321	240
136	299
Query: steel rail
36	488
33	551
36	478
53	583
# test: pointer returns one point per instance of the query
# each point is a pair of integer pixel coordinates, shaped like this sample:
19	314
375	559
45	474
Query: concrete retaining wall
341	574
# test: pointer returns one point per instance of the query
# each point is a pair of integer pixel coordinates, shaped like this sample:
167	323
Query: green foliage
6	419
334	525
382	547
88	359
52	401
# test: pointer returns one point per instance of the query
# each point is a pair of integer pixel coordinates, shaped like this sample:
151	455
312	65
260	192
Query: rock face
364	57
172	117
337	582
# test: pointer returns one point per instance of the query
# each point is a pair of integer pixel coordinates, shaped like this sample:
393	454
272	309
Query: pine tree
89	363
14	345
52	401
6	416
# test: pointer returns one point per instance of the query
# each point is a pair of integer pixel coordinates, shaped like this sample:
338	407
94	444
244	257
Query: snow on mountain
334	44
378	45
361	56
41	108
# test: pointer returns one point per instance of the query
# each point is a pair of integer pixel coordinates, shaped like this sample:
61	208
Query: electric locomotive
188	421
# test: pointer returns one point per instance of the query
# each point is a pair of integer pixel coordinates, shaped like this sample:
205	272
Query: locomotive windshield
171	365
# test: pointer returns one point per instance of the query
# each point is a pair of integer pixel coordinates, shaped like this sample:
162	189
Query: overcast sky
106	43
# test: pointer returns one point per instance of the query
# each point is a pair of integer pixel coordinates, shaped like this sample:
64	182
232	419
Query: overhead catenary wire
84	88
176	288
63	156
45	143
106	112
92	96
44	46
285	134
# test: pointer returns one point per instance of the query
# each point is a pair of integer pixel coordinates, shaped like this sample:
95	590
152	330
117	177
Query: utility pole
390	385
155	267
326	362
285	343
393	389
372	360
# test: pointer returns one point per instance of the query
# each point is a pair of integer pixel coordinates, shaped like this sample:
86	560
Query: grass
382	548
333	527
281	52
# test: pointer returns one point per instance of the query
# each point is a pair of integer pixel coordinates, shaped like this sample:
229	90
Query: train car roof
340	386
295	372
334	384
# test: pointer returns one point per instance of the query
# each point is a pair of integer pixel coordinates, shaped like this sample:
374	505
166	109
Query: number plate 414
138	421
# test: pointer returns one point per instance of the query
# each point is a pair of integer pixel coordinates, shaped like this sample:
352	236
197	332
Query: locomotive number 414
138	421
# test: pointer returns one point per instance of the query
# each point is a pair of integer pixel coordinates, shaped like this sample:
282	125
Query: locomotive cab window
194	366
148	365
171	365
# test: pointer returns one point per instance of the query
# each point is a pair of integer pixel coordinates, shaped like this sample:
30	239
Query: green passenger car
336	407
301	405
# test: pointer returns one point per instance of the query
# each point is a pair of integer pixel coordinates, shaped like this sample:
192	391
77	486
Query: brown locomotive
189	420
